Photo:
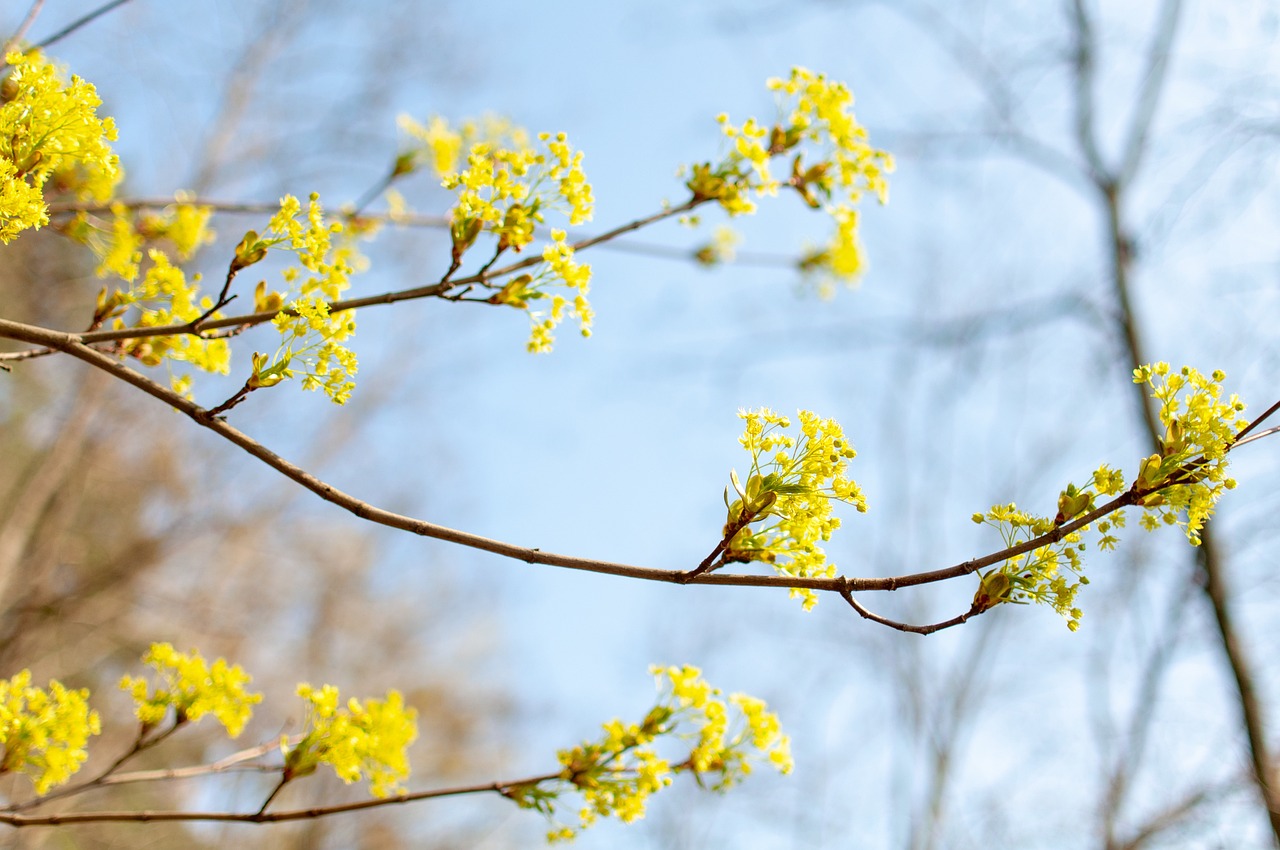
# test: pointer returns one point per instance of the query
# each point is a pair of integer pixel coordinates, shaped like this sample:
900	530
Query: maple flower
43	733
192	688
784	511
49	126
367	739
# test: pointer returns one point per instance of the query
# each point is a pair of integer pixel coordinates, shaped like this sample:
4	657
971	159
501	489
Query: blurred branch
1127	763
80	22
1120	251
1172	816
1083	58
1153	82
21	32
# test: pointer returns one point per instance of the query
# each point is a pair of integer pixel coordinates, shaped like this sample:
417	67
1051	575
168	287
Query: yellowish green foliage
369	739
1179	485
43	733
192	688
49	128
832	166
718	741
784	510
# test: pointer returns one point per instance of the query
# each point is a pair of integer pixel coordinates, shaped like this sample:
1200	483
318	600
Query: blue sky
619	446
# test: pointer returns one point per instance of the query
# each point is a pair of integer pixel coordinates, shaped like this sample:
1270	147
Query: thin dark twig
1244	432
284	780
907	627
140	744
79	22
434	290
371	194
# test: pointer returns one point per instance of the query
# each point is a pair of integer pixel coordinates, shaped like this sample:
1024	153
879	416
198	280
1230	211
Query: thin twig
79	22
140	744
502	788
907	627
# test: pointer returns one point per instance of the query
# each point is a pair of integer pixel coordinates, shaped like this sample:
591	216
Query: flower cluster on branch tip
785	509
718	741
1187	476
507	184
692	728
43	732
311	336
1179	485
191	687
369	739
832	166
50	137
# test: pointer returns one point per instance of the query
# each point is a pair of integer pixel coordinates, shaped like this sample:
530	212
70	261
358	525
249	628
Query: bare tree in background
1139	177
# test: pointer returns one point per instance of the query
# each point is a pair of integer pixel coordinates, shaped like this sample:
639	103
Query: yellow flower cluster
832	166
1199	428
329	263
311	336
369	739
192	688
311	345
507	191
43	733
1184	479
1051	574
617	774
785	508
165	296
557	269
118	246
442	146
49	128
506	187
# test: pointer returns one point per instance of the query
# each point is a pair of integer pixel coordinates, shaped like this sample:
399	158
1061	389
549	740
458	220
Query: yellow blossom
784	511
369	739
832	166
617	774
192	688
43	733
50	127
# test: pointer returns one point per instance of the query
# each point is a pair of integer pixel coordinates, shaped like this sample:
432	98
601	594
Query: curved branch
907	627
73	345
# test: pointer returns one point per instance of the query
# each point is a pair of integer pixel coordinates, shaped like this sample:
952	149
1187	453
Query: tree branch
74	345
80	22
504	789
